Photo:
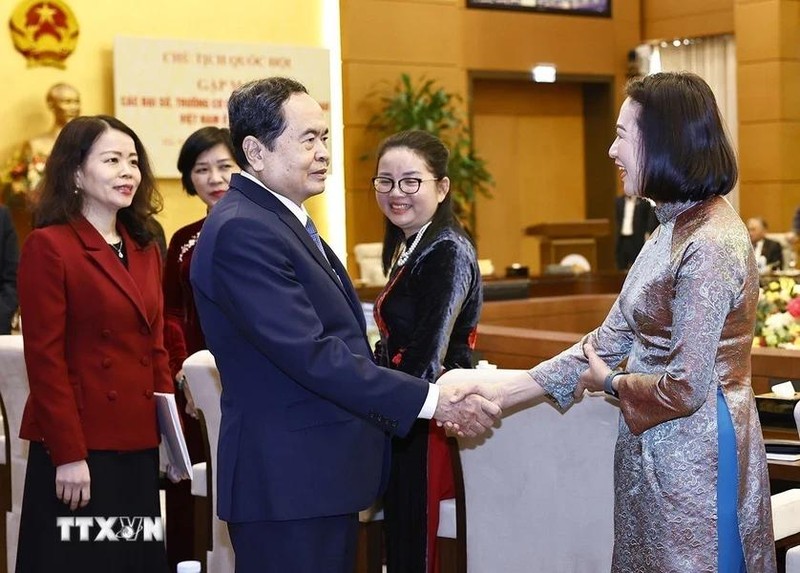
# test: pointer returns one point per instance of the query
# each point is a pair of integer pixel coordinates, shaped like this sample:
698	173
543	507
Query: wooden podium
558	240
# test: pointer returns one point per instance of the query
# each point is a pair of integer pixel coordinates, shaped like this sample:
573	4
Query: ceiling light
545	73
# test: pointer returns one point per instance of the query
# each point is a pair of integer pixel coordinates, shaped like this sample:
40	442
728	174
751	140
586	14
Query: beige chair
786	515
203	379
796	414
368	257
793	560
538	490
14	391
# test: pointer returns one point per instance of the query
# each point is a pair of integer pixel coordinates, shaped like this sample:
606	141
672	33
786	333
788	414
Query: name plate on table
776	411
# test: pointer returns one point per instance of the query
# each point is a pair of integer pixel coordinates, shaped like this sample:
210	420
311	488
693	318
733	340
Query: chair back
797	417
538	490
370	264
14	392
204	383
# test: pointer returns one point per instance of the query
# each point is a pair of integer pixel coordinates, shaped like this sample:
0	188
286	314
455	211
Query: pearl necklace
118	249
403	258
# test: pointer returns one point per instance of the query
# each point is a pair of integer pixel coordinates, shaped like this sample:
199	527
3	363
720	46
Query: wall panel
537	159
686	18
504	40
774	201
768	54
401	32
365	82
451	41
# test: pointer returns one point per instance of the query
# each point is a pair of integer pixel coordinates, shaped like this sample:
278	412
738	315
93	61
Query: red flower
397	359
19	170
793	307
473	337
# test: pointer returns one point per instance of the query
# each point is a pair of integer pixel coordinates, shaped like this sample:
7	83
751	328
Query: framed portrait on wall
575	7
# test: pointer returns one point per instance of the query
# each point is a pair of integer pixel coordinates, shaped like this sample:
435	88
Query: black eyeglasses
407	185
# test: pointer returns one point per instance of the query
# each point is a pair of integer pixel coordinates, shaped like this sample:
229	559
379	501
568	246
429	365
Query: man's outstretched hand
467	406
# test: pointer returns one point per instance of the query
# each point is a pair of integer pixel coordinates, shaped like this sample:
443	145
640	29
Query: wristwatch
608	385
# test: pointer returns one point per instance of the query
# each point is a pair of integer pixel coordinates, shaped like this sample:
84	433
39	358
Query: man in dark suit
9	260
306	414
769	253
635	221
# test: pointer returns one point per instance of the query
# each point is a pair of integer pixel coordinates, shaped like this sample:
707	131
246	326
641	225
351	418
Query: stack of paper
169	423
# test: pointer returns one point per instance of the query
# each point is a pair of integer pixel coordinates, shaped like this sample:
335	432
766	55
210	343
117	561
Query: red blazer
93	337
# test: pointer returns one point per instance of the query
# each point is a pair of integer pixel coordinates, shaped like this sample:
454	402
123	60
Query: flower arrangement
20	178
778	314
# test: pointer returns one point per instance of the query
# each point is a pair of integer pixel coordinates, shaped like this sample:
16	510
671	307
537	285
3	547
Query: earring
76	190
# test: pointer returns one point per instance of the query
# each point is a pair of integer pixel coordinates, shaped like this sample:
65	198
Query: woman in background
691	483
206	164
427	316
90	295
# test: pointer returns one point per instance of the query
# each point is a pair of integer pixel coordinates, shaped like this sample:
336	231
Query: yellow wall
24	113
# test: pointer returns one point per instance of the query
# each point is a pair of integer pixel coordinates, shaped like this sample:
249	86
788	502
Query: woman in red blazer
91	302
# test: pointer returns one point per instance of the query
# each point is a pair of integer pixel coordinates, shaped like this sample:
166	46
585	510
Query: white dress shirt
627	216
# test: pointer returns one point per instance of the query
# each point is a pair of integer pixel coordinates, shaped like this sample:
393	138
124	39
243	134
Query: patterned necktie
312	230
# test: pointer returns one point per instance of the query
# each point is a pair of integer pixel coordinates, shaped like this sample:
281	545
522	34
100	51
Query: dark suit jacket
9	259
773	252
93	333
306	413
644	219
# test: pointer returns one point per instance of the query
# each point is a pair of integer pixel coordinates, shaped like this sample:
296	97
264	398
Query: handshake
471	401
468	404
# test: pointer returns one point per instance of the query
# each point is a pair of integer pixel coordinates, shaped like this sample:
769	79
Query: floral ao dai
684	320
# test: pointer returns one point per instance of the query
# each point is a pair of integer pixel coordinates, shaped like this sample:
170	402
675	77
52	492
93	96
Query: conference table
783	470
547	285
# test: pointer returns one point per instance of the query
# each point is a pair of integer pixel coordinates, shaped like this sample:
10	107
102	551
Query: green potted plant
431	108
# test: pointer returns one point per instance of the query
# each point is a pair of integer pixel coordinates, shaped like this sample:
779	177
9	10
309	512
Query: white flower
779	320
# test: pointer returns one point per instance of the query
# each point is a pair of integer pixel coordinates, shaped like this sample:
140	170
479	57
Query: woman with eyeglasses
427	316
